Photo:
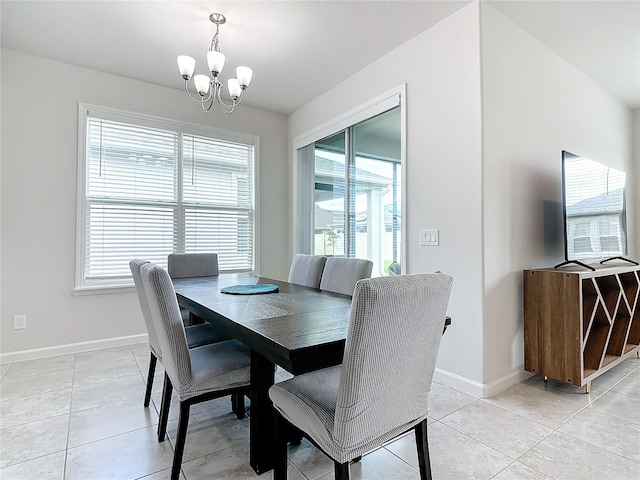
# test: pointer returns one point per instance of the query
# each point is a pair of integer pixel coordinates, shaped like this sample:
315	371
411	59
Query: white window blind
218	200
150	191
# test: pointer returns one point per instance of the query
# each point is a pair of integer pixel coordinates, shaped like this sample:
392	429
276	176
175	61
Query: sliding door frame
304	179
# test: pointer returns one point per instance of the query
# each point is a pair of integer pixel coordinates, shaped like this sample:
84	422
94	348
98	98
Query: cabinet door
553	326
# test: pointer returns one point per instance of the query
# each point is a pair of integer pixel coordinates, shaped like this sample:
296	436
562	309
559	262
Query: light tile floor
81	417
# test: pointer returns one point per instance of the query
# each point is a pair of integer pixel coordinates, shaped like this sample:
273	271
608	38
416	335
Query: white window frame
302	230
154	122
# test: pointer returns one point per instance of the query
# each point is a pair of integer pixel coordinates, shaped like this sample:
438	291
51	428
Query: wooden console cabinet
578	324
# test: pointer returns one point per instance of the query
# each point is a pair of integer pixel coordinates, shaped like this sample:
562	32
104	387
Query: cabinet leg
588	388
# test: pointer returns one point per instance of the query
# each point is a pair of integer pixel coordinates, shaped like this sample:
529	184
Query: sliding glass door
329	196
357	193
376	191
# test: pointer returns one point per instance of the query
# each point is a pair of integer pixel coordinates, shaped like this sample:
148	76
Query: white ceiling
599	38
300	49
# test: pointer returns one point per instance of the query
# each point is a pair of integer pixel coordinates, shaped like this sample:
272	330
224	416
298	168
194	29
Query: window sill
103	289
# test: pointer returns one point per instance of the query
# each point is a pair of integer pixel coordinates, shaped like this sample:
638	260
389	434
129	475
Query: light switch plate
430	237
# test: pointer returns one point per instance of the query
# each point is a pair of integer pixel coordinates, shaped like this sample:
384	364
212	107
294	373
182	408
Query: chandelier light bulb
202	84
234	88
244	75
215	60
186	66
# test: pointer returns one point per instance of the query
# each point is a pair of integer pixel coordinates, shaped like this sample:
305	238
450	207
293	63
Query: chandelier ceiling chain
208	88
218	19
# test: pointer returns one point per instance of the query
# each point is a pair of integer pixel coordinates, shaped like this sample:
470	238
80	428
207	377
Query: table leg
261	417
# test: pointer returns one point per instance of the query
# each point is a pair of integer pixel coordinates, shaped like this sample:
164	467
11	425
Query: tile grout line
400	458
556	429
66	450
553	430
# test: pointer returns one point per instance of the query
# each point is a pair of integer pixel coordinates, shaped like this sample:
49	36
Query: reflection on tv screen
594	205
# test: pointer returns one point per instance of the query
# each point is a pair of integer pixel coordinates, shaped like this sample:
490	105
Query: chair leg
422	443
341	470
164	408
183	423
280	449
152	370
237	405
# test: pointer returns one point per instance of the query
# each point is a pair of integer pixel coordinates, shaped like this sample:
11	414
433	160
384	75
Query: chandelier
210	89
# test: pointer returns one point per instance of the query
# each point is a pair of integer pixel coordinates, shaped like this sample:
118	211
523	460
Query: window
596	234
149	187
351	187
582	238
610	236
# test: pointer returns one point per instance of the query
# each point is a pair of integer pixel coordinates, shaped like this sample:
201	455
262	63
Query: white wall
38	208
441	68
534	106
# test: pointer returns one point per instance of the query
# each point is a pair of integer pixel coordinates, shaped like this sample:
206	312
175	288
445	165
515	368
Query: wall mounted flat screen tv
594	209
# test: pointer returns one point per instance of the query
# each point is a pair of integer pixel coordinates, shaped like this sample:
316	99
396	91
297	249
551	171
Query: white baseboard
498	386
457	381
45	352
482	390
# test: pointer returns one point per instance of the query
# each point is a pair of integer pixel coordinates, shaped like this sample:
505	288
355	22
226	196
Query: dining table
298	328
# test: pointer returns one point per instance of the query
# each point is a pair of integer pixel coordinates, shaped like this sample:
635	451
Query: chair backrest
390	354
165	313
154	343
307	270
181	265
340	275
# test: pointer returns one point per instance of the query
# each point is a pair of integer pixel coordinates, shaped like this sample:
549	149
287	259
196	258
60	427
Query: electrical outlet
19	322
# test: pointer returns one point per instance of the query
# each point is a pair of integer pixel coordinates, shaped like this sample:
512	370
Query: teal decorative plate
250	289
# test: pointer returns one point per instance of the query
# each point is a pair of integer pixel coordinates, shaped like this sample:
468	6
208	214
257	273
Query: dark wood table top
299	328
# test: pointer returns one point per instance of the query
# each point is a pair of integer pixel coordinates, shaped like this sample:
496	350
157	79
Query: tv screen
594	210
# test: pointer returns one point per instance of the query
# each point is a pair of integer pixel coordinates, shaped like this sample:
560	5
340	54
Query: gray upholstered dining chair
381	390
184	265
197	374
341	274
196	336
307	270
